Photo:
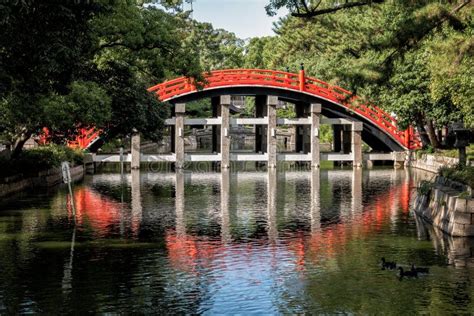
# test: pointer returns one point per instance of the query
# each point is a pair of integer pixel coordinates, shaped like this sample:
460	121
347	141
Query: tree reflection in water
224	242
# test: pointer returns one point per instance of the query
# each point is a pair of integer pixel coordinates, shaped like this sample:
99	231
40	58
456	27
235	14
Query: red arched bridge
289	86
380	128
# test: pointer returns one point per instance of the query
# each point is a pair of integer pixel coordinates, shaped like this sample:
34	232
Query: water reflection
268	242
458	250
271	205
225	200
315	200
136	200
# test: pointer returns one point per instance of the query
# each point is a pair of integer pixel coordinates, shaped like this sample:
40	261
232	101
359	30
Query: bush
31	161
424	188
462	174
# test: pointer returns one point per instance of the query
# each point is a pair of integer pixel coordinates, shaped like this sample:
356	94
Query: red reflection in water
100	211
187	251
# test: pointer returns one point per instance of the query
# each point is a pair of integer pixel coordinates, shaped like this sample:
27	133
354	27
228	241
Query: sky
245	18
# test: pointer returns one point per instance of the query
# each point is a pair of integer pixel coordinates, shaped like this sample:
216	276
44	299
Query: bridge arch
380	129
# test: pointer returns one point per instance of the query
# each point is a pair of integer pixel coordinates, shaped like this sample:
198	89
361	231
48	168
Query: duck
420	269
388	264
409	274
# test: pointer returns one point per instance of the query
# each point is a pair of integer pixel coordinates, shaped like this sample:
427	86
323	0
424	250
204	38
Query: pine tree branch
312	13
407	45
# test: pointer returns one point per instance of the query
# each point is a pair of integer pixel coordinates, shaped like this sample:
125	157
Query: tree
310	9
257	52
41	46
412	58
215	48
52	55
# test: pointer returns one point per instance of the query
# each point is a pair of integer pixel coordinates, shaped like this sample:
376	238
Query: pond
212	243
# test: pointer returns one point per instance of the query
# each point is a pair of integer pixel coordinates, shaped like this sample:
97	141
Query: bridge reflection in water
263	242
323	238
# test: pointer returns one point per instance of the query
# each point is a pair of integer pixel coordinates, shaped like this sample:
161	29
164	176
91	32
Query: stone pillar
272	102
315	150
225	131
408	158
180	109
216	112
357	144
135	146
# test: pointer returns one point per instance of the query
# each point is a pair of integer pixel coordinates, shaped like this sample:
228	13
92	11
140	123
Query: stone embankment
46	178
446	204
433	163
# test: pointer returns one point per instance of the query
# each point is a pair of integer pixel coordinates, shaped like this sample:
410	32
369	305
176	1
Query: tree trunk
462	156
422	132
432	135
19	143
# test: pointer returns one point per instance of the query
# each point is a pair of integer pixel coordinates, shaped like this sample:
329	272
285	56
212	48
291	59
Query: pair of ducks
412	273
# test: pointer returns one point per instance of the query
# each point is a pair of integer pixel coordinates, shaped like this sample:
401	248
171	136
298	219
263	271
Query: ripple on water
262	244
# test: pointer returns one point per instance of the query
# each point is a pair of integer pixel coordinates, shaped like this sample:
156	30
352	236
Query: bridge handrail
299	82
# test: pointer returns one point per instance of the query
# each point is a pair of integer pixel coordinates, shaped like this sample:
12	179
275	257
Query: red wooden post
407	138
302	78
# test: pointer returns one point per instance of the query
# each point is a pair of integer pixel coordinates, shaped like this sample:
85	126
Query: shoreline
45	178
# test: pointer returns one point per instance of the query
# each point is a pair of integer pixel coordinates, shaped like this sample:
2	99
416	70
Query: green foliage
413	58
325	134
215	48
31	161
462	174
258	52
424	188
288	111
89	63
427	150
112	145
86	104
199	108
311	8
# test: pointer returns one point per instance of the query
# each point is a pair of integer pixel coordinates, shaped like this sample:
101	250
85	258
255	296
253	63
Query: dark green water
264	243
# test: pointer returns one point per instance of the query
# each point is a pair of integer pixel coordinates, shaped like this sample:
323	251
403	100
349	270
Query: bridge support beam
179	109
272	102
347	139
216	112
357	144
315	150
337	138
135	148
225	131
260	111
299	129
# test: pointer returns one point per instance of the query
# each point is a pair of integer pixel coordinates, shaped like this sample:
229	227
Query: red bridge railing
290	81
85	138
